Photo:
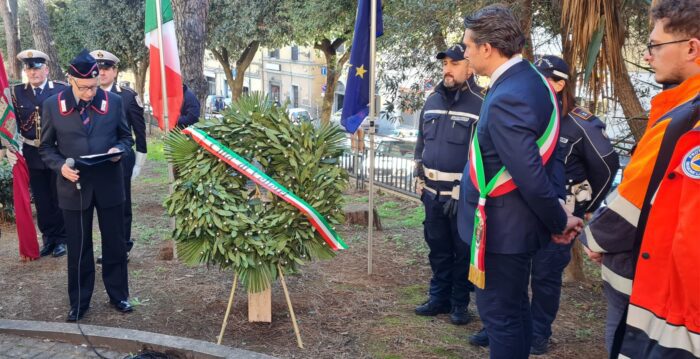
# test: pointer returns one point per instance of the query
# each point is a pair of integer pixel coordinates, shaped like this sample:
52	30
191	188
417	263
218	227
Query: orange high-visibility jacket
663	318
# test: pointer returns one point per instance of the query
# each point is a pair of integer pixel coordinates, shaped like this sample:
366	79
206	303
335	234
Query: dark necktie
37	91
82	106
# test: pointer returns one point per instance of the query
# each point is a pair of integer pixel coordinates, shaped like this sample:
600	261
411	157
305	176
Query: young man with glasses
85	120
28	99
647	237
133	110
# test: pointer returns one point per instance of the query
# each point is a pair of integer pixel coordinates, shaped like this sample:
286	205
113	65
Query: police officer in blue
446	126
510	201
133	109
28	100
591	164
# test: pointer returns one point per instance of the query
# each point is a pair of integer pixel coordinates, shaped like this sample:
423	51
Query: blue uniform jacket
515	114
190	109
446	126
27	106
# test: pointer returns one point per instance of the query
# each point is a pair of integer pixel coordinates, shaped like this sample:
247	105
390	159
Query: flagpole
164	89
372	116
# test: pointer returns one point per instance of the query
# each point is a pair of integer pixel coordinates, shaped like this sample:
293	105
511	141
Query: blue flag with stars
356	102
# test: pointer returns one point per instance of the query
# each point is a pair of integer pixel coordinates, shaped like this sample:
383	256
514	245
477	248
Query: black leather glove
450	207
418	171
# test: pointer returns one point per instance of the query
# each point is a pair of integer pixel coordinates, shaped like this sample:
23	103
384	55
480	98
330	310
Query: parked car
393	160
297	115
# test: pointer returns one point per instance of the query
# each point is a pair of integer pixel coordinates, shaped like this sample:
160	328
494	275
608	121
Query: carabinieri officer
85	120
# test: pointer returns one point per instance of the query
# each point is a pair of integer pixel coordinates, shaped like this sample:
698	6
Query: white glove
140	159
11	157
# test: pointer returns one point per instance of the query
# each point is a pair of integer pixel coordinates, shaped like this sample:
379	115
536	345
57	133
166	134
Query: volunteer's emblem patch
691	163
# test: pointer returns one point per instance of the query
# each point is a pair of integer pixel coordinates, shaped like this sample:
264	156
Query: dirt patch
342	312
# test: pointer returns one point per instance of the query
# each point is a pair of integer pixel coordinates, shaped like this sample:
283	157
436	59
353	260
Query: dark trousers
449	255
548	265
128	162
81	263
504	306
48	215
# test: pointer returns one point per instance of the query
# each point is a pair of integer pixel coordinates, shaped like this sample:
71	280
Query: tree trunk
41	31
631	106
9	19
241	66
223	58
335	69
140	76
190	18
574	271
525	9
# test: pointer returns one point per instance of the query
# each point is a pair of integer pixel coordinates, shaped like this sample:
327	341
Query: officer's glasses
651	47
85	88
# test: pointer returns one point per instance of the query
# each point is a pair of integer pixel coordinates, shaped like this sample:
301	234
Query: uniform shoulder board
133	92
581	113
60	83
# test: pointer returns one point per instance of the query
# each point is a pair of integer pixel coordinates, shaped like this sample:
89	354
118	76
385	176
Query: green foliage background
222	219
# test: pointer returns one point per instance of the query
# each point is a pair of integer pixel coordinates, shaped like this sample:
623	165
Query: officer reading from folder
85	120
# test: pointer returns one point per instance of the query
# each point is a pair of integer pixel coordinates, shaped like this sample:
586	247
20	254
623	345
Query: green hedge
7	208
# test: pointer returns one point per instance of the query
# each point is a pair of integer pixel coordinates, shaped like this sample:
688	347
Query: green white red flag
259	177
173	79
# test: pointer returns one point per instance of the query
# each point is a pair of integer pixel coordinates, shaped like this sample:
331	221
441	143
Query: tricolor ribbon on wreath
256	175
502	183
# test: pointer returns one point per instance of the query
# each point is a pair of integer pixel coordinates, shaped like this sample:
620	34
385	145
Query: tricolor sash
502	183
256	175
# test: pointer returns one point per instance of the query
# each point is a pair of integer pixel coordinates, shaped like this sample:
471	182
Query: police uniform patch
581	113
691	163
563	140
138	101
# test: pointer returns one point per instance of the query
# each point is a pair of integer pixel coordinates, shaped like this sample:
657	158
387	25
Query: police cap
83	66
105	58
455	52
32	59
553	67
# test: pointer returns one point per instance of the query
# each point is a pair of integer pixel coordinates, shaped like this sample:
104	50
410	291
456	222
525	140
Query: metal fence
390	172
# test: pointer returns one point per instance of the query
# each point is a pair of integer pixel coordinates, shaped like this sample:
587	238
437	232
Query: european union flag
356	102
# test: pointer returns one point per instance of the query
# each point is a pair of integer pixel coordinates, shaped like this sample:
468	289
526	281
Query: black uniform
64	135
42	180
446	127
591	164
133	109
189	110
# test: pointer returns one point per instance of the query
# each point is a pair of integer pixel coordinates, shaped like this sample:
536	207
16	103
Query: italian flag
173	79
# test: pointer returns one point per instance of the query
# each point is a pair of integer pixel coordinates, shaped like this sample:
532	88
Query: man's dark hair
497	26
682	16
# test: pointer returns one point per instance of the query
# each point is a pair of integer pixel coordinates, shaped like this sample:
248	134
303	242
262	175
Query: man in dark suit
133	109
509	190
84	120
28	99
190	109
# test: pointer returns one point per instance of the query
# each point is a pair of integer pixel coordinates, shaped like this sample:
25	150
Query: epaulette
581	113
60	83
126	89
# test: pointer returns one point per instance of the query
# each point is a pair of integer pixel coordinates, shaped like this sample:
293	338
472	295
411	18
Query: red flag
26	232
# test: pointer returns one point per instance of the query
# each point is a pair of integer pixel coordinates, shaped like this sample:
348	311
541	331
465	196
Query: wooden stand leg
228	309
291	310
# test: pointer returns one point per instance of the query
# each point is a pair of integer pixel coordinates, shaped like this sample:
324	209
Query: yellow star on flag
360	71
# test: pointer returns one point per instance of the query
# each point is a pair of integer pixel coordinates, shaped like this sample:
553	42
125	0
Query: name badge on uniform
460	118
563	140
103	107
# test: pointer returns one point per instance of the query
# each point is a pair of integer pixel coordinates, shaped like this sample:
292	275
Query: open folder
91	160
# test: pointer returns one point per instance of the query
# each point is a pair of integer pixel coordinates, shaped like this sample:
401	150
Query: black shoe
460	315
123	306
432	308
59	251
46	250
75	315
481	338
539	346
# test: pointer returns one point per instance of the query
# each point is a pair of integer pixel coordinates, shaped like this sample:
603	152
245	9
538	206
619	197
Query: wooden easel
260	307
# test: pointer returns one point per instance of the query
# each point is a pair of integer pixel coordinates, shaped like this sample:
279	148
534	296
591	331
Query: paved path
17	347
